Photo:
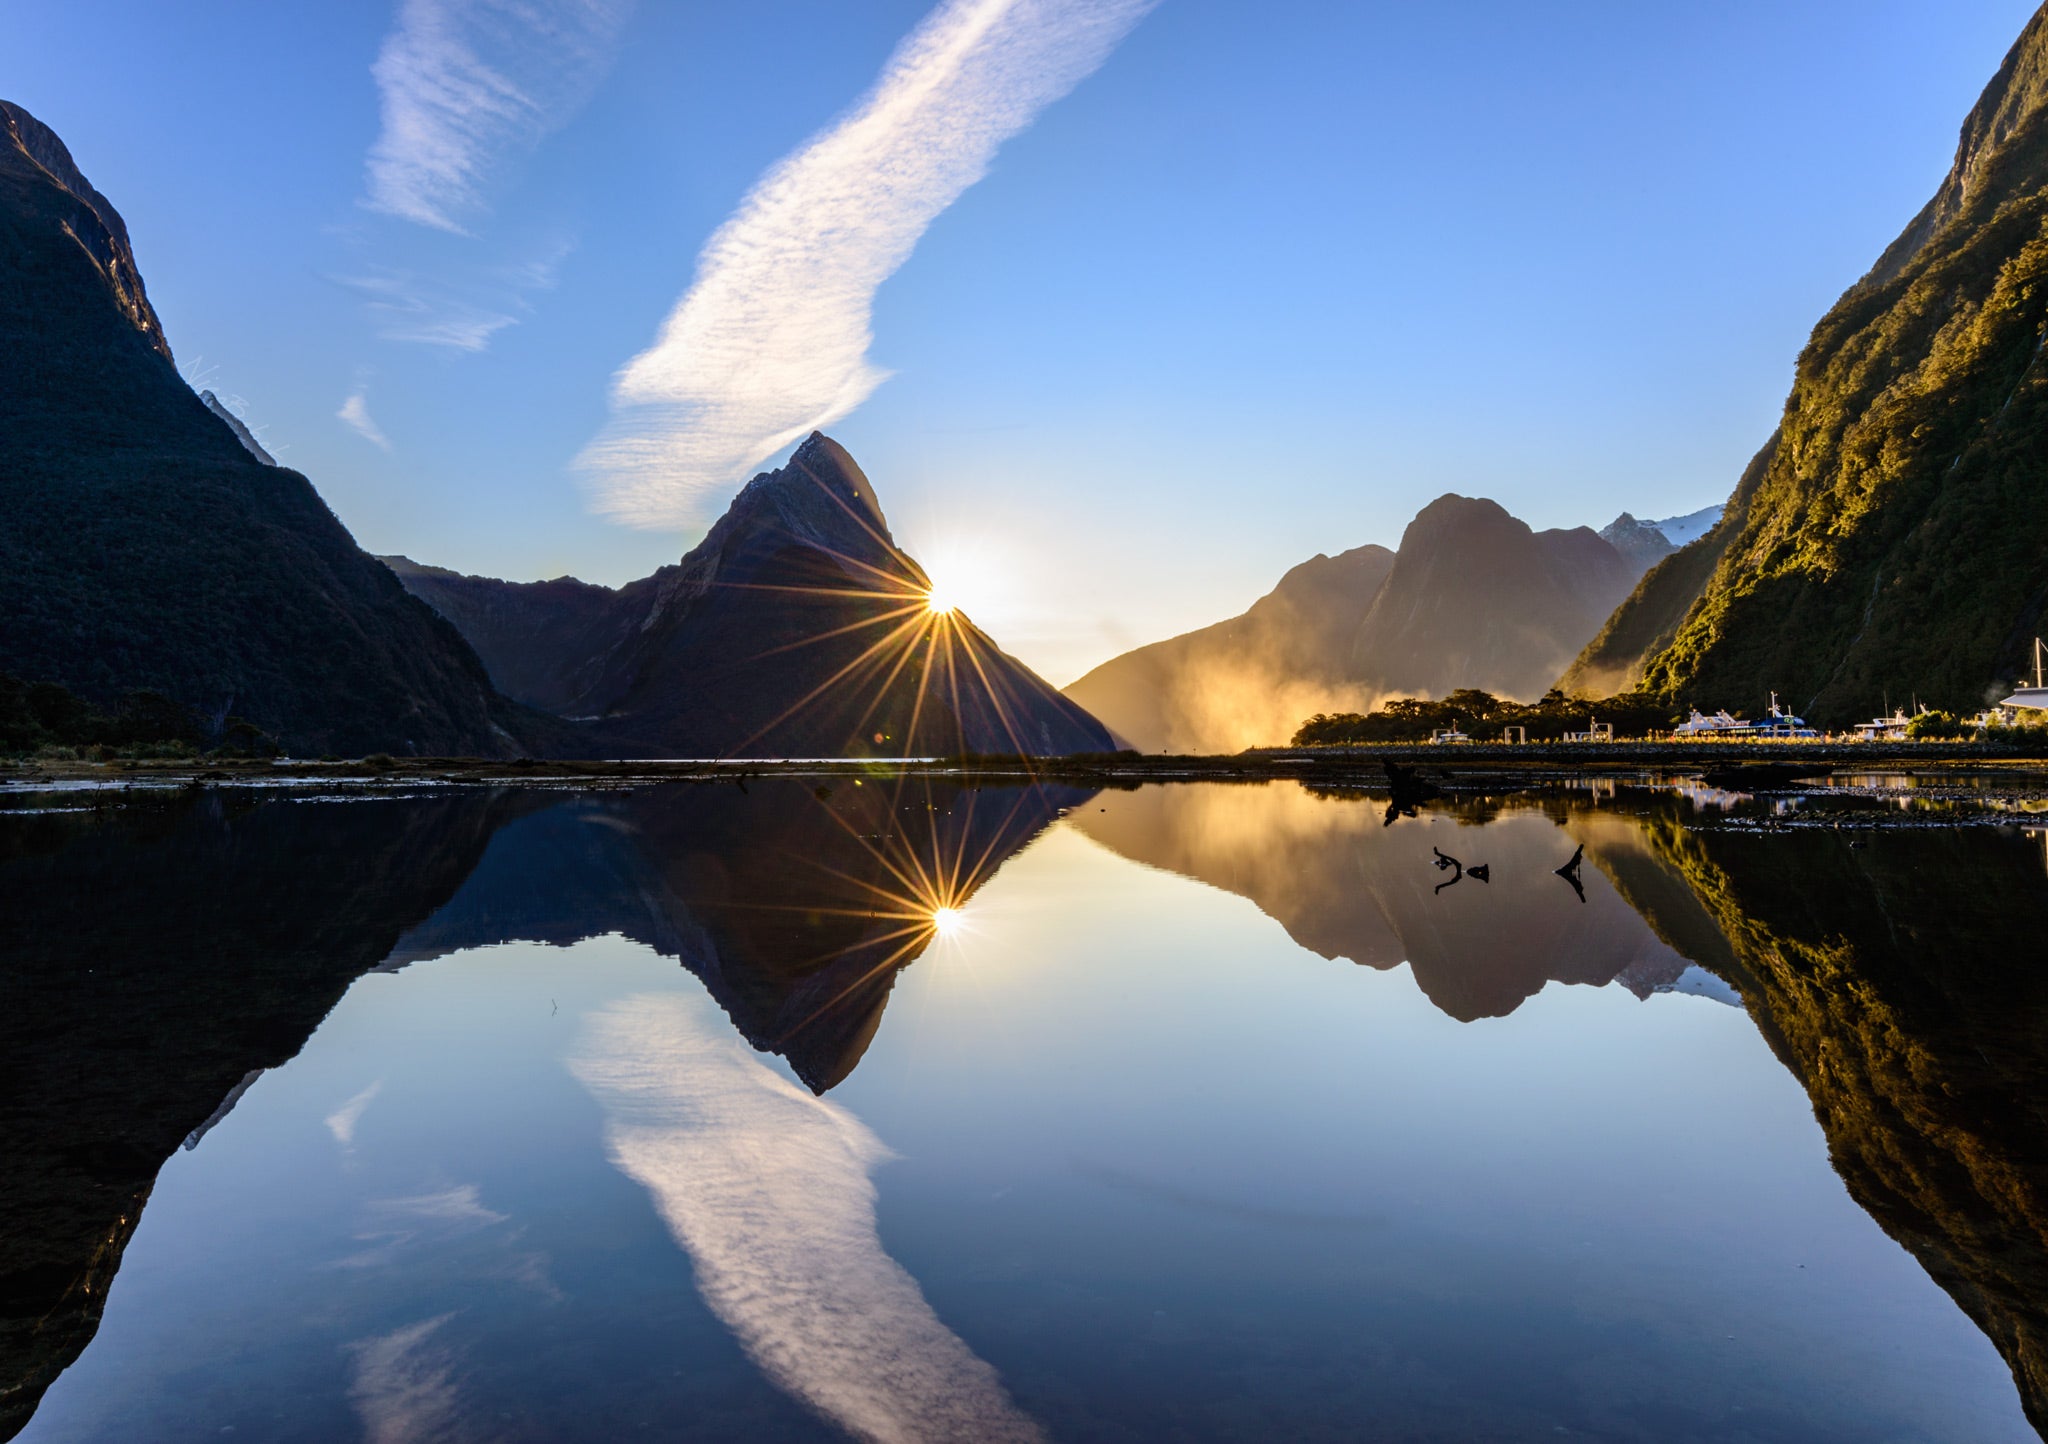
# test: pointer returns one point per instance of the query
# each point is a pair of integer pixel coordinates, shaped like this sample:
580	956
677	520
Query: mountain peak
817	494
30	151
2016	96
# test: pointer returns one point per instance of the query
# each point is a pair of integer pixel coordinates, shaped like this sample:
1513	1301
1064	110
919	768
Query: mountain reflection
1898	976
157	955
1895	975
796	904
1343	885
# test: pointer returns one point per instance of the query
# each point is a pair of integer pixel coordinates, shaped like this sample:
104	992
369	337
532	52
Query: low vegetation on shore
1485	717
48	720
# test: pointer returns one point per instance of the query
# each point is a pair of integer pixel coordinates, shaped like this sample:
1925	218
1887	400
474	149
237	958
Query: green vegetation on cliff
1895	538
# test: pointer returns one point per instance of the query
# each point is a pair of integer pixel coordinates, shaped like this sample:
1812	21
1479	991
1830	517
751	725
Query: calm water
907	1112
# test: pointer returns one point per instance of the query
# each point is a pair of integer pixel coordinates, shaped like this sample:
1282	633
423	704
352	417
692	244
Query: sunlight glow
947	922
938	603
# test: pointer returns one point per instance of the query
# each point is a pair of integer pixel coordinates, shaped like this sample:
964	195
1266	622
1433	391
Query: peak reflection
796	903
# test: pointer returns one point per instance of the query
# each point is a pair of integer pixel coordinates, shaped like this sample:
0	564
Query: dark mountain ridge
143	548
795	628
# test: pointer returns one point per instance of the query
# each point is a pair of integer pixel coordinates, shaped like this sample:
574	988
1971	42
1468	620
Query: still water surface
1200	1112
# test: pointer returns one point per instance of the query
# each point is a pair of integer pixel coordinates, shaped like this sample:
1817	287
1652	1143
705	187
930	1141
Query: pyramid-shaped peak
825	463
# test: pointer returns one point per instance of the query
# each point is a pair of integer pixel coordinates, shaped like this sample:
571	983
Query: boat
1883	729
1778	723
1775	725
1721	724
1448	734
2035	696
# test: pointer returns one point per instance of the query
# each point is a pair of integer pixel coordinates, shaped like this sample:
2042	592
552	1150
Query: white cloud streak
771	339
356	413
404	1388
463	84
767	1189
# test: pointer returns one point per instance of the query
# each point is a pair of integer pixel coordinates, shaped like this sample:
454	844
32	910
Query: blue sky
1249	283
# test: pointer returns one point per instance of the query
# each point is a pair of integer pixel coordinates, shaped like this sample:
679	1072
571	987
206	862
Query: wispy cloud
356	412
342	1121
771	339
767	1188
405	308
403	1385
463	309
465	84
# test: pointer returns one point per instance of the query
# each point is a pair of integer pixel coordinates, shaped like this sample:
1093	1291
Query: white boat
1448	734
2035	696
1883	729
1721	724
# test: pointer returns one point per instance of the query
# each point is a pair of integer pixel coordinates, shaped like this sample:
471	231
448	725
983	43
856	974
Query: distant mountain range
796	628
1890	537
1473	598
1645	543
148	542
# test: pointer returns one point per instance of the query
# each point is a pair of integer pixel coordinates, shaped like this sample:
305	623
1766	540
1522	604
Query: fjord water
1200	1112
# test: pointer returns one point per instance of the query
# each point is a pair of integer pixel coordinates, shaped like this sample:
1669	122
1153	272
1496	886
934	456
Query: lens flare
939	603
947	922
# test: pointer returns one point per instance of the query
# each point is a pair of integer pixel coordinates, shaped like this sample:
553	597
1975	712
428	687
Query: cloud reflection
767	1189
403	1386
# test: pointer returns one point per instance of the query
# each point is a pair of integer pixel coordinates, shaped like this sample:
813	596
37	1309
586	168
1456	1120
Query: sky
1124	307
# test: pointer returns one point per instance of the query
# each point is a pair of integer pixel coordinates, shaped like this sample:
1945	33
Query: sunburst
912	622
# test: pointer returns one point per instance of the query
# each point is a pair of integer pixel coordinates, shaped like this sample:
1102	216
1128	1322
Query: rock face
1251	679
1892	536
1477	599
1473	598
542	642
82	213
143	547
234	423
796	628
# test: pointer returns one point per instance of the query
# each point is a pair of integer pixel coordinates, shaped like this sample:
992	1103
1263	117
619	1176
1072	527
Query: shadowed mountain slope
1252	678
1473	598
1893	538
142	547
796	628
1477	599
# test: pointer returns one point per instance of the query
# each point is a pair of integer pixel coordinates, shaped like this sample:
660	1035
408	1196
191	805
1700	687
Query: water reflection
796	904
768	1190
159	956
158	959
1898	977
1346	886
